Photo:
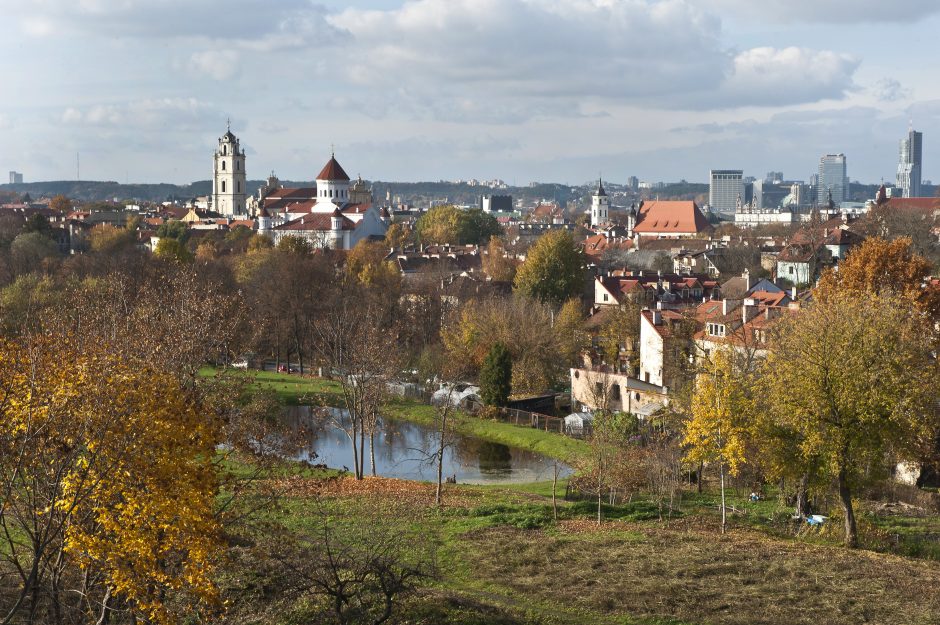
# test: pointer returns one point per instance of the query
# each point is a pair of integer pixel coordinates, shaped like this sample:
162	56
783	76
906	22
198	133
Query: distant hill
419	193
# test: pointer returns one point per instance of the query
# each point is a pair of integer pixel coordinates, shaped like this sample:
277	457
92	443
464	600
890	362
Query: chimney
793	293
747	279
657	317
748	309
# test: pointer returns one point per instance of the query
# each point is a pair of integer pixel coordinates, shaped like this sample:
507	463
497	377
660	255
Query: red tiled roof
332	171
315	221
913	203
356	209
664	329
670	217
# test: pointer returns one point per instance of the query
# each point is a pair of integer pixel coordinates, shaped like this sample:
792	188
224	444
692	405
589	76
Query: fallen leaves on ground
404	491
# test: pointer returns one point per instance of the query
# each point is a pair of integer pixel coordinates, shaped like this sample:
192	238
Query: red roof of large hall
332	171
668	217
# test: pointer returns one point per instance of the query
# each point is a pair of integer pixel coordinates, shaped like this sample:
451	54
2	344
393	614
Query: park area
507	554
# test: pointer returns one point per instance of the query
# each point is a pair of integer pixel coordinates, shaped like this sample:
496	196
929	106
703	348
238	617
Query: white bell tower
228	180
599	206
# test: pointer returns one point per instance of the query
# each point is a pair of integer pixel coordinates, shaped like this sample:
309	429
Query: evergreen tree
496	376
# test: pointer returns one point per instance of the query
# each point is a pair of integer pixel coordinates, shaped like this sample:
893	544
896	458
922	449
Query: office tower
910	164
725	187
832	178
633	182
16	177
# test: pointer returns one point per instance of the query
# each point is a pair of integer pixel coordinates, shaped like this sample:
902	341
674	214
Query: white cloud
217	64
828	11
889	90
149	114
248	22
506	60
778	77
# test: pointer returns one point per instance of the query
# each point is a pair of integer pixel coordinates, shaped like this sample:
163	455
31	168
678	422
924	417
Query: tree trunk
372	449
598	496
554	485
355	448
701	467
802	502
724	519
845	495
438	495
362	451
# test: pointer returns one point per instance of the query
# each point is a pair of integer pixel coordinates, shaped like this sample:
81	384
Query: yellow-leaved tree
108	486
716	431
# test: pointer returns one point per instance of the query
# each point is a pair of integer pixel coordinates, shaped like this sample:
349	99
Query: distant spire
228	124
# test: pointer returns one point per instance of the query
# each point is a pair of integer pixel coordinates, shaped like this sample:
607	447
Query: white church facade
331	215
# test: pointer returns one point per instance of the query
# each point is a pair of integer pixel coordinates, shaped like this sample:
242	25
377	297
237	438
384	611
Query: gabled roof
332	171
670	217
320	222
663	329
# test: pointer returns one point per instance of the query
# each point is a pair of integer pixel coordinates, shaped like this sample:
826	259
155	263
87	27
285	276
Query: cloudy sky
550	90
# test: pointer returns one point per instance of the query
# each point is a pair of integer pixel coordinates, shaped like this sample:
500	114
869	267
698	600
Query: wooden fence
536	420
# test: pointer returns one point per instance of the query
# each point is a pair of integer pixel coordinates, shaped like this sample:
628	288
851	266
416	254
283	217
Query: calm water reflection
402	450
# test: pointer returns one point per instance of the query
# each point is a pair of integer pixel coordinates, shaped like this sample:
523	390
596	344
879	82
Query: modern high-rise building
633	182
16	177
832	179
910	163
725	188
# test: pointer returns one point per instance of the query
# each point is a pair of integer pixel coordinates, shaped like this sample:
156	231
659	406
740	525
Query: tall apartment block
724	188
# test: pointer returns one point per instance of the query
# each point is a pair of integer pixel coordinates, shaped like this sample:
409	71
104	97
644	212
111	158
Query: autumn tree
853	379
496	376
293	244
108	239
366	264
449	224
618	337
60	204
398	236
716	431
107	488
173	229
553	269
173	250
496	262
569	331
522	325
882	266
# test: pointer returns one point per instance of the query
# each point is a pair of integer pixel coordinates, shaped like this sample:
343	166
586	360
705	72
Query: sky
416	90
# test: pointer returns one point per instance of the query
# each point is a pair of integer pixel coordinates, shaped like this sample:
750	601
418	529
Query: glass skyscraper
832	177
910	163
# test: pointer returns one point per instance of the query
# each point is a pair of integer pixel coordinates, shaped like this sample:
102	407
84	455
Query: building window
615	392
224	150
598	389
223	165
238	165
605	297
223	186
238	186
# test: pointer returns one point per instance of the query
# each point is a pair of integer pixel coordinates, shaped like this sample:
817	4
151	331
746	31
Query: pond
404	450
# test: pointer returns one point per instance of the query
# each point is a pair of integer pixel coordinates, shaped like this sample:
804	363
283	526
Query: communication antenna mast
78	167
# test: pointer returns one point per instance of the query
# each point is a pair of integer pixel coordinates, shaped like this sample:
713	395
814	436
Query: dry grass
693	575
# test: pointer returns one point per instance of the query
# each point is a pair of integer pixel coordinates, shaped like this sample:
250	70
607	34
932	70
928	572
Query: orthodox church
334	214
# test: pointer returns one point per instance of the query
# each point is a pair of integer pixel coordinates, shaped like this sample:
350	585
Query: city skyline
436	89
